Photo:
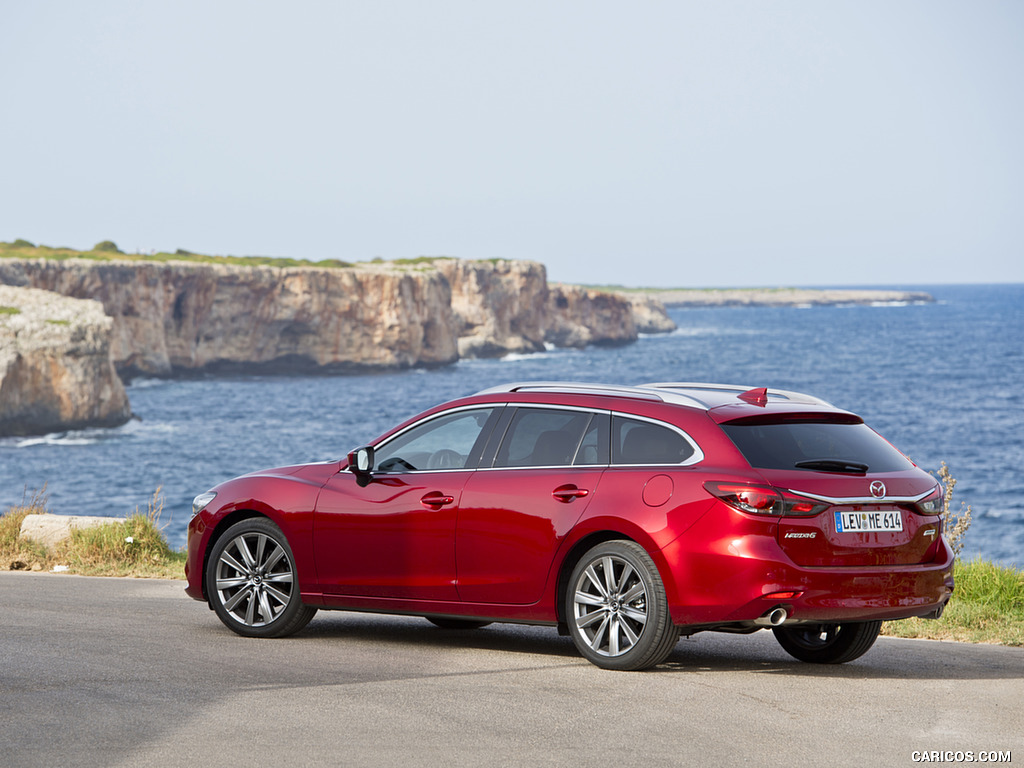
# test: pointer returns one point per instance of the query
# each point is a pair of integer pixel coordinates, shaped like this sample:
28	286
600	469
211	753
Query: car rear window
815	446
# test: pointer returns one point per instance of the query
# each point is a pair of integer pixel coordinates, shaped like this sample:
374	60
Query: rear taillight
764	499
932	503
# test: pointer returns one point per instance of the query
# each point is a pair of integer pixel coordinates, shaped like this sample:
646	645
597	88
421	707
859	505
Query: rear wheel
617	610
252	583
828	643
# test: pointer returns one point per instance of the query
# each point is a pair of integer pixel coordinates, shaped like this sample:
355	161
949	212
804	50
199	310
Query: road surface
125	672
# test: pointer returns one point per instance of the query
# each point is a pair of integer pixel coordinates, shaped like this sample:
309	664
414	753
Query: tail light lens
764	500
932	503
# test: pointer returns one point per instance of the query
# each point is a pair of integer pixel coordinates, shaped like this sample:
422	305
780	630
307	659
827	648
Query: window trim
490	454
695	458
496	407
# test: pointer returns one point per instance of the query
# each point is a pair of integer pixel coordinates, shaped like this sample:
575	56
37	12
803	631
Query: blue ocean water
942	381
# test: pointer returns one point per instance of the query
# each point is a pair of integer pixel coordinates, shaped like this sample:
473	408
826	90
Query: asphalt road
123	672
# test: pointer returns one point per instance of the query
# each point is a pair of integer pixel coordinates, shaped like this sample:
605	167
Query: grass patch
987	607
108	251
9	311
132	546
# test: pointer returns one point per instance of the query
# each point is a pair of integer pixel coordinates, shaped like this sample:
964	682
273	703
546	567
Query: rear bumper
738	583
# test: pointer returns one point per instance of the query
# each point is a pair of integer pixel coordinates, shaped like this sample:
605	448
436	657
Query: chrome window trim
551	407
696	458
425	420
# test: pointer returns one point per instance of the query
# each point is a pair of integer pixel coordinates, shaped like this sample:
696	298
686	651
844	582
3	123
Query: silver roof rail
693	389
589	388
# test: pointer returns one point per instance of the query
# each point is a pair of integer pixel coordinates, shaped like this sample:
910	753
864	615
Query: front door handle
566	493
436	500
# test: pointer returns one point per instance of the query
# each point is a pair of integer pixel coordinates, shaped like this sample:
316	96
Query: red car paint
498	543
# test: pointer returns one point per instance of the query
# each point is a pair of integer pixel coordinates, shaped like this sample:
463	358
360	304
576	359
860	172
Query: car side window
643	442
449	441
543	437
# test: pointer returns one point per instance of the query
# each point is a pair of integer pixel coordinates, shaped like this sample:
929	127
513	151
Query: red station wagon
623	516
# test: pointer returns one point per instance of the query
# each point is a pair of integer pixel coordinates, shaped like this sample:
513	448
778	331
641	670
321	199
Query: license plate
869	522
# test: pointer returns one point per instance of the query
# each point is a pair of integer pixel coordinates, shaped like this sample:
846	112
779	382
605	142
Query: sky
644	144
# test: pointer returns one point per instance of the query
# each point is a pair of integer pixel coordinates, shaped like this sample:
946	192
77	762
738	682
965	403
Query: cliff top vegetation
107	250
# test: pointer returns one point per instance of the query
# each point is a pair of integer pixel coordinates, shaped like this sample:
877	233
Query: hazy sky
642	143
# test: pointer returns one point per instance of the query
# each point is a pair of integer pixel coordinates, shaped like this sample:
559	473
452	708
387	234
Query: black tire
828	643
446	623
616	608
252	582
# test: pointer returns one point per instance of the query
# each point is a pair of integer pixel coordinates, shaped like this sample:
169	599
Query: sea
943	381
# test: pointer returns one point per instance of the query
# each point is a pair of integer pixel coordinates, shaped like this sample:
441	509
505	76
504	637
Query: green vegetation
132	546
59	322
987	607
9	311
108	251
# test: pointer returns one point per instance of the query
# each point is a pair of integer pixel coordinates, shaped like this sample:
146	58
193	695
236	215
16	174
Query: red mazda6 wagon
623	516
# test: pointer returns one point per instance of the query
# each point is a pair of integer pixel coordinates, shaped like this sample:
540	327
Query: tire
446	623
828	643
252	583
617	610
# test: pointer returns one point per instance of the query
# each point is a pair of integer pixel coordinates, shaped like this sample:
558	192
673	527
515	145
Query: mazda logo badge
878	489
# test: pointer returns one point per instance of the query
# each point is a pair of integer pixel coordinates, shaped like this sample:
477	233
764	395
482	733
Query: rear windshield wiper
833	465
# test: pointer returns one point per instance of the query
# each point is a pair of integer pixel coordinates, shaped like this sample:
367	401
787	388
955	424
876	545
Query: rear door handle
436	500
566	493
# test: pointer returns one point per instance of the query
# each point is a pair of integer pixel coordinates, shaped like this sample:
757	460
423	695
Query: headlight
199	502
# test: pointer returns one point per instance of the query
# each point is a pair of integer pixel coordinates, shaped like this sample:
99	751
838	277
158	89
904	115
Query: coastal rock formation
181	316
578	317
500	306
769	297
55	365
649	313
186	316
504	306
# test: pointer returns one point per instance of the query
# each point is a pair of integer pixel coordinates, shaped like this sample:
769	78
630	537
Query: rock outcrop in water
55	365
182	316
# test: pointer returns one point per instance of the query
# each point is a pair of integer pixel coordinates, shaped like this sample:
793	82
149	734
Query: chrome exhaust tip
773	618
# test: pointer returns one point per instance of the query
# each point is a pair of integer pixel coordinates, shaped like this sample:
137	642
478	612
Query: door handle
566	493
436	500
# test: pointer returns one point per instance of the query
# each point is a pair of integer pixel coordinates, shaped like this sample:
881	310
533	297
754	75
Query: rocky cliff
177	316
181	316
55	365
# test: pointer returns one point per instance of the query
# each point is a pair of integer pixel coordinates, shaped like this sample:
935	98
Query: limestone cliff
180	316
55	365
500	306
507	306
578	317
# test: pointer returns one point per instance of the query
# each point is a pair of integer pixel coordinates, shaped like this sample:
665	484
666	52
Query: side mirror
360	462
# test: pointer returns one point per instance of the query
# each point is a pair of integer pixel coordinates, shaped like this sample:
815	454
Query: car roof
702	396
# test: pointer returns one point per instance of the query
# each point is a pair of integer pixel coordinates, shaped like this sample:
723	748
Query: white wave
144	383
95	435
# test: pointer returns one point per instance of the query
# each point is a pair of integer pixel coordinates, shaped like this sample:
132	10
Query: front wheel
617	610
828	643
252	583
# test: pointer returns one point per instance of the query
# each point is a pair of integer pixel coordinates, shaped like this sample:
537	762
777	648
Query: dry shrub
19	554
955	522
